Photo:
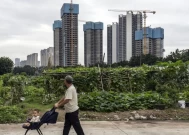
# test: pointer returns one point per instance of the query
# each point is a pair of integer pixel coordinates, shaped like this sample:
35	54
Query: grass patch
34	103
28	106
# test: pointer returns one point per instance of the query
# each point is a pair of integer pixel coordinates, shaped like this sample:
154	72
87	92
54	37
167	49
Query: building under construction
69	15
135	38
154	41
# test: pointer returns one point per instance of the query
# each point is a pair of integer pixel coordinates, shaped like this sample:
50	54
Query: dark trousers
72	119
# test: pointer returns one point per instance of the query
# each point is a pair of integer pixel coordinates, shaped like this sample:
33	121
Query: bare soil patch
168	114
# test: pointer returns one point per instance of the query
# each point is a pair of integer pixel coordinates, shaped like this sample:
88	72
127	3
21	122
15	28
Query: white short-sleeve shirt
35	119
72	105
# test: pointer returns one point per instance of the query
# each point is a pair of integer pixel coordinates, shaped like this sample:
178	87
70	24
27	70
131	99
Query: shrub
11	114
32	91
49	98
17	84
5	94
6	78
139	79
114	101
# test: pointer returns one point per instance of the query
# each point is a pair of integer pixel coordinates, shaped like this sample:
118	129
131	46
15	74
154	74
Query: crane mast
145	35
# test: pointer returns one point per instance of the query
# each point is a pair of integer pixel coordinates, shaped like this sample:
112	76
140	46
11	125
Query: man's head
68	80
35	112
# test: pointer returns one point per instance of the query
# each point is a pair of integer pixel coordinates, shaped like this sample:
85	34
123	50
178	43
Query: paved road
107	128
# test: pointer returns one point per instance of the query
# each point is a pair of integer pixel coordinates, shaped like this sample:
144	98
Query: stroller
49	117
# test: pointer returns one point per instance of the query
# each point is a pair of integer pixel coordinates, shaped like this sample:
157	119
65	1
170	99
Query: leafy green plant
6	78
113	101
11	114
37	81
137	79
49	98
5	94
17	84
184	95
33	91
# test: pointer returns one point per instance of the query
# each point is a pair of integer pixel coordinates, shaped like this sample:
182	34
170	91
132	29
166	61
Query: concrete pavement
107	128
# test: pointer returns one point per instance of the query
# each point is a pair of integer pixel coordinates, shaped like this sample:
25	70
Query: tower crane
145	17
145	30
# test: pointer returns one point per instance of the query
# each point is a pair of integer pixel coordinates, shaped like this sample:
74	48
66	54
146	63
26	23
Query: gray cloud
26	25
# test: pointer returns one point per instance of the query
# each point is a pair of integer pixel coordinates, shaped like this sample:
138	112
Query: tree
143	59
121	63
26	69
178	55
151	59
135	61
6	65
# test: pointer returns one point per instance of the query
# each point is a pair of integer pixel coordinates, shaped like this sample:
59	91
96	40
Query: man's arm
63	102
62	99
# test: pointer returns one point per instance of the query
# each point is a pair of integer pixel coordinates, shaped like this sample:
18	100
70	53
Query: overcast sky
26	25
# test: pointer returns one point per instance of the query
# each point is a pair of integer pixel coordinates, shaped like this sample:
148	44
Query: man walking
70	103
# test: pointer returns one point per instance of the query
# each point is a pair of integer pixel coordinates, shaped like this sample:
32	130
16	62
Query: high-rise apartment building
23	63
113	43
109	44
29	60
32	60
47	54
128	24
154	41
69	15
44	60
122	38
93	43
17	62
58	50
